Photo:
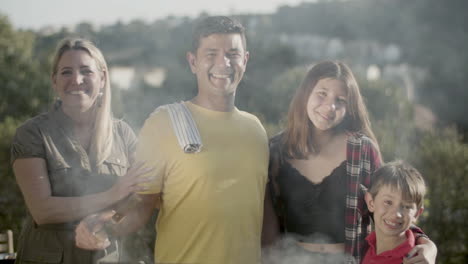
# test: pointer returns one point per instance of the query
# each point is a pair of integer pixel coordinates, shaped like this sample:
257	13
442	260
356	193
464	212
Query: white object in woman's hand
90	233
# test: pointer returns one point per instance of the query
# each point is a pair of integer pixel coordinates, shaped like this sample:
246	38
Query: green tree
24	85
11	201
442	157
267	60
278	96
438	43
24	92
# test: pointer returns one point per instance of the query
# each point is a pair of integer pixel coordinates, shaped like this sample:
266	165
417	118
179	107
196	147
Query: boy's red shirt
394	256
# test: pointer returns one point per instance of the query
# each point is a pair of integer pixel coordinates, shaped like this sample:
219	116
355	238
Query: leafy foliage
24	92
24	85
442	159
11	200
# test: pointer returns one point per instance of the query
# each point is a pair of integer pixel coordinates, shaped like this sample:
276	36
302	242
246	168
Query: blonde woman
74	160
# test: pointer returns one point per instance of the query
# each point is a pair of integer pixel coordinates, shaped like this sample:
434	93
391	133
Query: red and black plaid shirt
362	160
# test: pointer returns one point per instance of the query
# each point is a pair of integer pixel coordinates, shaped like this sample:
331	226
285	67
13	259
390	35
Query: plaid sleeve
362	160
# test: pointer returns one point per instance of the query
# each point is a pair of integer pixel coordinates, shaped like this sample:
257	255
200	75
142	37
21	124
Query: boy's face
392	215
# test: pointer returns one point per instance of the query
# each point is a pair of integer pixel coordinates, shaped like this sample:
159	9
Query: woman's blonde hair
296	139
102	138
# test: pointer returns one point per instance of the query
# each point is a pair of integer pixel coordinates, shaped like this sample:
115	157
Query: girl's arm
270	228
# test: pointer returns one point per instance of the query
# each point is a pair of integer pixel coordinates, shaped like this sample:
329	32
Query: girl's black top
314	213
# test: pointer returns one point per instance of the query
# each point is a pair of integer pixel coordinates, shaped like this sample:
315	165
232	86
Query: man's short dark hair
216	25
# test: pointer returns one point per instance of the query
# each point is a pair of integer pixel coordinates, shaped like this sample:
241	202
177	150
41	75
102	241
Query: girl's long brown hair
296	139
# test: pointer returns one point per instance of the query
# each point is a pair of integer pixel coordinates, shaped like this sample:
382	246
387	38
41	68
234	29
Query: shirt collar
62	119
399	251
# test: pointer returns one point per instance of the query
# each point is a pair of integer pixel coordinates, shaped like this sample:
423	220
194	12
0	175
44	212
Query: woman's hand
90	233
131	182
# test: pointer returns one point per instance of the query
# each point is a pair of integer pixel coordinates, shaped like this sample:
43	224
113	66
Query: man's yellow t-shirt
212	201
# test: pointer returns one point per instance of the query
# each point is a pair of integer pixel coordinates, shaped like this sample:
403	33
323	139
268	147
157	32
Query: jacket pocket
59	177
115	165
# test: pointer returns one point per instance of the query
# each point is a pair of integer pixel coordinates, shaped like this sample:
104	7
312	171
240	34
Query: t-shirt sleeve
27	143
149	150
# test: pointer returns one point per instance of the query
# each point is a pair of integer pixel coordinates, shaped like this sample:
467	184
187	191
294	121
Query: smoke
287	251
139	246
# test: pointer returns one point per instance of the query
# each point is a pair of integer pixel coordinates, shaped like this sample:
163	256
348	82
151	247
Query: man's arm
137	216
91	234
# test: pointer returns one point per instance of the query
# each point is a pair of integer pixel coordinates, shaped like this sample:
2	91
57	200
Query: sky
36	14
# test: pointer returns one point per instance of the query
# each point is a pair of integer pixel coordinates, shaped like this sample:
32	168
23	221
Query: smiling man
218	59
211	200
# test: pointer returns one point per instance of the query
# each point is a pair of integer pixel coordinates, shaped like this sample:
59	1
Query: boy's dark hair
400	176
216	25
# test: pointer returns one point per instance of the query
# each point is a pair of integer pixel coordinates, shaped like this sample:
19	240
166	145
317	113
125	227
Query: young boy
396	199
